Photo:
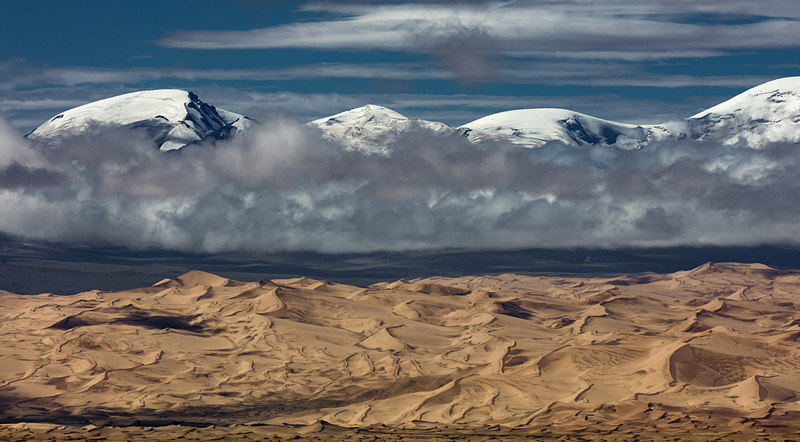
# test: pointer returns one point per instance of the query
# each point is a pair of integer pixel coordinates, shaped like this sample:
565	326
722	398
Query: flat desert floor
708	353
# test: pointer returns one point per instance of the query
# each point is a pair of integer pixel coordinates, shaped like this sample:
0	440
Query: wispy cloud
615	29
16	74
484	42
44	103
562	72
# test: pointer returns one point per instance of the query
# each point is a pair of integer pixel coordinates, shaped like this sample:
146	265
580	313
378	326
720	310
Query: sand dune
713	350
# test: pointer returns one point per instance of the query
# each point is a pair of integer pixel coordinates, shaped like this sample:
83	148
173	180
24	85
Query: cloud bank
286	188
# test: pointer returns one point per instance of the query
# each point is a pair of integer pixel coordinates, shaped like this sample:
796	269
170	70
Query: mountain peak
363	115
372	128
536	127
764	114
173	118
776	96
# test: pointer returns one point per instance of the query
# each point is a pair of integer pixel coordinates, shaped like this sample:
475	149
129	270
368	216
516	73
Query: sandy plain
709	353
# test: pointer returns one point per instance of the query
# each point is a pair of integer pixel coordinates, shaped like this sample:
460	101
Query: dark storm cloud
659	223
284	187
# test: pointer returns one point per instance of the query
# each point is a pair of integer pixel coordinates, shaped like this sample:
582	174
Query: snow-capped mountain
373	129
173	118
765	114
536	127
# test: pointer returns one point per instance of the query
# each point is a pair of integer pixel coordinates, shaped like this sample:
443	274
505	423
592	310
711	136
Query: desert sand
710	352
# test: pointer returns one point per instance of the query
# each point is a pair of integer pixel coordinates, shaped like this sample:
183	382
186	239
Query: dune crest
714	349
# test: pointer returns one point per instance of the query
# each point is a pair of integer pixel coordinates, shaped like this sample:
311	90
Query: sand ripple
714	349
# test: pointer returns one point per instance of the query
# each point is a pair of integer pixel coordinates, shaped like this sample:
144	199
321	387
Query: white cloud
285	188
14	149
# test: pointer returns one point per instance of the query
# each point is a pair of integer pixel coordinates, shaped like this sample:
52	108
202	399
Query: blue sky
629	60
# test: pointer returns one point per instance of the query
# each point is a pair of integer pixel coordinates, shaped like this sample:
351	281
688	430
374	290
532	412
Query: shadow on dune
44	411
135	318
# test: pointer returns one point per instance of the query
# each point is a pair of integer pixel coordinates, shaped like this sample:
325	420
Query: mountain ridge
764	114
